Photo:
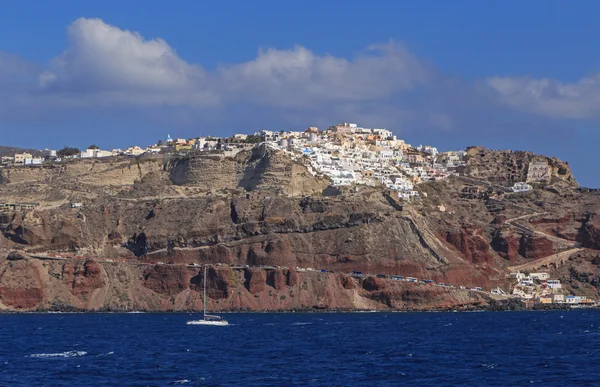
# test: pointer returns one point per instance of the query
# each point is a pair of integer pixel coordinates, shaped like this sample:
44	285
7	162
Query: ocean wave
182	381
59	354
302	323
491	366
186	381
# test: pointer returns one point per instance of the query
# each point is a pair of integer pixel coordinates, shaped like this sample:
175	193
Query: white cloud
549	97
299	77
105	65
107	57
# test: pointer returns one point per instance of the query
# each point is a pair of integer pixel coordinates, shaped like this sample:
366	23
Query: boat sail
208	319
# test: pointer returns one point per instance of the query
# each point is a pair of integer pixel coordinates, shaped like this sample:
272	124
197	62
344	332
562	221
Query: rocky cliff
509	167
261	207
30	284
260	169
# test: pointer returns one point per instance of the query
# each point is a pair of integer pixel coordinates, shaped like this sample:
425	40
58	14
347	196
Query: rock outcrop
509	167
21	285
260	169
474	247
91	285
590	233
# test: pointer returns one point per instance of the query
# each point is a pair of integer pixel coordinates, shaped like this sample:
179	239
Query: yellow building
20	157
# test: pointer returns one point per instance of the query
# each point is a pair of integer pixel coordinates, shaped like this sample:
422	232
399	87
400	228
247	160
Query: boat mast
204	297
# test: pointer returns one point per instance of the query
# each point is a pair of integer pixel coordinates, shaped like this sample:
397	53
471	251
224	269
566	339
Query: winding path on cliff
531	231
565	243
555	238
555	259
552	259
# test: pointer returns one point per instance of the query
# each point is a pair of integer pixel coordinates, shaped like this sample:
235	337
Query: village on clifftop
346	153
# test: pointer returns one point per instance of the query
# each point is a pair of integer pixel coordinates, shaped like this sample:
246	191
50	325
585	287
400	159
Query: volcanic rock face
262	207
373	283
167	279
355	232
83	277
474	247
292	277
276	279
507	246
21	286
535	247
590	233
348	282
177	287
255	280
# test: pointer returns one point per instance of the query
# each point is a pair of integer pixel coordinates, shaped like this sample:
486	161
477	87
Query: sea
553	348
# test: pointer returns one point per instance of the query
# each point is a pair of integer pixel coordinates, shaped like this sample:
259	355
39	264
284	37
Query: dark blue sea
556	348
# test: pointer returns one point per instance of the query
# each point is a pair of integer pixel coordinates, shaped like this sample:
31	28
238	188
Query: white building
384	133
133	151
526	281
521	293
521	187
540	276
431	150
554	284
33	161
386	154
92	153
268	135
50	153
88	153
199	144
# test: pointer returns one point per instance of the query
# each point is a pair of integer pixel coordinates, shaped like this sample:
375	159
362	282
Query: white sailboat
208	319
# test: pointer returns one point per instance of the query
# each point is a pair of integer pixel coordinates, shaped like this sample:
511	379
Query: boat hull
205	322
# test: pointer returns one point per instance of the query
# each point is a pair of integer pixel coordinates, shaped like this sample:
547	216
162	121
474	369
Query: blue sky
503	74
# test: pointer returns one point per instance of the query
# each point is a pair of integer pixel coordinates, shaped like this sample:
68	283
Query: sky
521	75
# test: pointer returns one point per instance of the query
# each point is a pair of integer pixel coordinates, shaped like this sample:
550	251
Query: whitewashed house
521	187
33	161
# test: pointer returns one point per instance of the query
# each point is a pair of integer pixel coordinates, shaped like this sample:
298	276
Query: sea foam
59	354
